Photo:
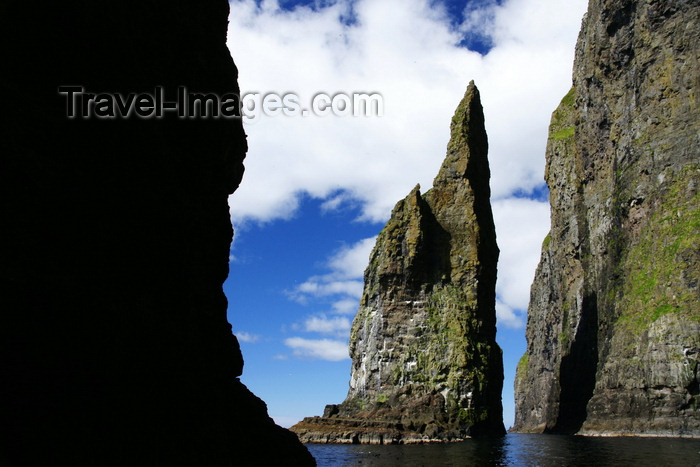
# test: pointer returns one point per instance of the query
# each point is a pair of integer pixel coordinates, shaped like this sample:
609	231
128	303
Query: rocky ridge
614	318
425	364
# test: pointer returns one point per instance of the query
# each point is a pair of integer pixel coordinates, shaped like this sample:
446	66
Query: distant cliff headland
614	318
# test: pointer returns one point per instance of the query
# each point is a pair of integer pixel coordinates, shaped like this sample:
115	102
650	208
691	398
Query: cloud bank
410	53
324	349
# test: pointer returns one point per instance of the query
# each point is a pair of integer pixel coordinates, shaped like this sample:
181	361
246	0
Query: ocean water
518	450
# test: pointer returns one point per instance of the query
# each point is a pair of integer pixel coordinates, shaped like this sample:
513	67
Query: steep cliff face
614	318
425	364
114	344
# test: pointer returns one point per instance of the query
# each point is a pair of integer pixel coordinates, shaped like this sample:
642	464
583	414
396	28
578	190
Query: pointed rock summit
425	363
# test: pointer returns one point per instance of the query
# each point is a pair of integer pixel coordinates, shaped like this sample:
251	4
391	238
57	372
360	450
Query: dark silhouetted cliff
114	344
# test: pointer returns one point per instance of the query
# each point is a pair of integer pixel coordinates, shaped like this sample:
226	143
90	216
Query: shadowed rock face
425	364
114	344
614	318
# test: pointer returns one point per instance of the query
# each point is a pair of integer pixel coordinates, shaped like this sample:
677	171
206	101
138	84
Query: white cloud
322	286
506	316
343	284
346	306
339	325
406	51
247	337
323	349
344	281
351	261
521	225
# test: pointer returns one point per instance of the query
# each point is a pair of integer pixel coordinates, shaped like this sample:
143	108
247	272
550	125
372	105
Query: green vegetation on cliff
614	318
561	126
664	262
449	356
521	369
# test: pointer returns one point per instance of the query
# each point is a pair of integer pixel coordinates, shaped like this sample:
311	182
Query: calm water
519	450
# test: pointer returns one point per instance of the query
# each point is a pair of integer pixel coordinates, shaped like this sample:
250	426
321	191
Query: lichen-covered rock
114	344
614	318
425	364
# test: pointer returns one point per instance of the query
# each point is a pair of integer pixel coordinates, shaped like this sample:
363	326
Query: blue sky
317	190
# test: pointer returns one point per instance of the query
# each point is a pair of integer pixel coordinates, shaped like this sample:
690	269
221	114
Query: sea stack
614	317
425	363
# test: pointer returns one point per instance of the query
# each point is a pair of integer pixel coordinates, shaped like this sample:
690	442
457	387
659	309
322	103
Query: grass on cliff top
570	99
547	240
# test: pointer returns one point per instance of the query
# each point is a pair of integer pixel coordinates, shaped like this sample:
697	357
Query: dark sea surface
518	450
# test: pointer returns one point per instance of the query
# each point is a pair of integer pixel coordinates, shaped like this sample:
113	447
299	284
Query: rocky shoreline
336	430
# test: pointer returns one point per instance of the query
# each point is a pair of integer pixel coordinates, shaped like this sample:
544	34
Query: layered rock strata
614	318
425	364
114	344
